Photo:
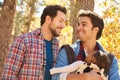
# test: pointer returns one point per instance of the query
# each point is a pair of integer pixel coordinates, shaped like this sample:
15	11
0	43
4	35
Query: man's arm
62	61
69	68
114	70
13	60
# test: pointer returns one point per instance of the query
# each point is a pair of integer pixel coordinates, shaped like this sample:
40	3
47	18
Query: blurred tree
75	6
26	16
1	3
19	18
18	22
30	9
6	25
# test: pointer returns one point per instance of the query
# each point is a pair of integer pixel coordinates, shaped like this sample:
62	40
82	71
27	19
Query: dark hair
51	10
96	20
102	59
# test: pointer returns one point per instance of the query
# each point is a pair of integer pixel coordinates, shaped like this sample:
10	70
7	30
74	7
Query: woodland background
20	16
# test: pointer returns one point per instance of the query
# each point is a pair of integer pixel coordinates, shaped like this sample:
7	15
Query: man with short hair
31	55
89	30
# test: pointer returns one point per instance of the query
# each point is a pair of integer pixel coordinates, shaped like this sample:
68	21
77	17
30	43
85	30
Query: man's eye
78	24
61	20
83	24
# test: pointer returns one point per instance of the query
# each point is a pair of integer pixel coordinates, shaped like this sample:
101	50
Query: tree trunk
6	25
86	4
76	5
30	9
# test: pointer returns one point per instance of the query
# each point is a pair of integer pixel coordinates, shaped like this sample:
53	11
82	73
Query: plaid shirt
26	58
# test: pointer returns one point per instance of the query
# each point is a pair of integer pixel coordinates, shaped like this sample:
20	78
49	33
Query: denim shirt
62	61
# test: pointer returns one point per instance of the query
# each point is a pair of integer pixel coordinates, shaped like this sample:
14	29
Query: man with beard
31	55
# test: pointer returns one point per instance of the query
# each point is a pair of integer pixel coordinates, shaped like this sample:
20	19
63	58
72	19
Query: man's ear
48	19
96	29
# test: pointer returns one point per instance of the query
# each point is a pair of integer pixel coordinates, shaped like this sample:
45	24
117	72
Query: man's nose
62	25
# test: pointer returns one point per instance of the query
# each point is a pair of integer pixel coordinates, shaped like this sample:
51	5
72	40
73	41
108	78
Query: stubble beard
54	32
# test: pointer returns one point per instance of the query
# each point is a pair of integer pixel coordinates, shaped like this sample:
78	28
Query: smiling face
57	23
85	30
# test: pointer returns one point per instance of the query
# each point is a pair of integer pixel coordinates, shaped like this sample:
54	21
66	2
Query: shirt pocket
34	57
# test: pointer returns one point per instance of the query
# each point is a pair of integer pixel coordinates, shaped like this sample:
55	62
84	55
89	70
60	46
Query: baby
97	60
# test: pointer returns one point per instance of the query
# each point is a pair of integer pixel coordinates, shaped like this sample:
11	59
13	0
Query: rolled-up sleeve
61	61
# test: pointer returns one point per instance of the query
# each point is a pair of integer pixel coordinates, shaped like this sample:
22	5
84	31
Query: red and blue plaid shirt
26	59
